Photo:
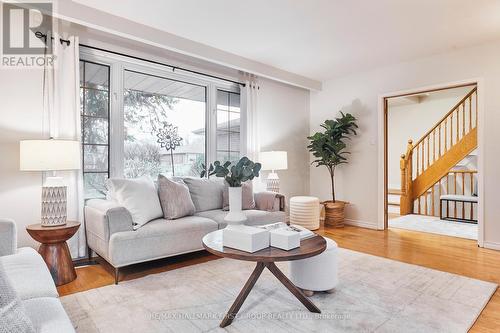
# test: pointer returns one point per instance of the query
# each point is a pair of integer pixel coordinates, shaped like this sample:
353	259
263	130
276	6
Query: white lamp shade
49	155
273	160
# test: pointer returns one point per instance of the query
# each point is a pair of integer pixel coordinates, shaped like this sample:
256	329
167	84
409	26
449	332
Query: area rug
374	295
434	225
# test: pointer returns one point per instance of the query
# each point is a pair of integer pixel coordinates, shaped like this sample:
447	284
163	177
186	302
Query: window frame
118	64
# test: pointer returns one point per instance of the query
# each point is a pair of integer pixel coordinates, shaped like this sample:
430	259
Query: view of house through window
164	124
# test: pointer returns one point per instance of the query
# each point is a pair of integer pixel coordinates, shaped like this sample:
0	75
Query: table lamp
273	160
51	155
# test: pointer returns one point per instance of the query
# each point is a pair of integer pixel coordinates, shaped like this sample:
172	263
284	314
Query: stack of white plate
304	211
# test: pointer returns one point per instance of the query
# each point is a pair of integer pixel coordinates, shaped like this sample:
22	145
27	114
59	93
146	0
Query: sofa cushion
247	199
48	316
205	193
255	217
158	239
175	198
13	315
29	274
139	196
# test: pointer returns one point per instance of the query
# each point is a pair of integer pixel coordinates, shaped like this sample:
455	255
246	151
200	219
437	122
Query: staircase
427	165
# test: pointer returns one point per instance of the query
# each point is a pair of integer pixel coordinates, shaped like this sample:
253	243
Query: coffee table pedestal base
233	311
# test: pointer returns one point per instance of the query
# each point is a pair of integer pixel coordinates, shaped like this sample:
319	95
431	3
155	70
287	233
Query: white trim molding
362	224
492	246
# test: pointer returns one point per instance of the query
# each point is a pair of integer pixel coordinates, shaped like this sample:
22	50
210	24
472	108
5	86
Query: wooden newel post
405	164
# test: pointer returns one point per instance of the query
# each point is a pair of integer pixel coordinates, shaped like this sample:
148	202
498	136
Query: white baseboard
492	245
362	224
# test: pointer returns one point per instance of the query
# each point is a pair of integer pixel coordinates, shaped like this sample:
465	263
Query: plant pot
235	215
334	213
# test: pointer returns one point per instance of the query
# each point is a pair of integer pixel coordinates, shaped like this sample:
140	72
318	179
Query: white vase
235	215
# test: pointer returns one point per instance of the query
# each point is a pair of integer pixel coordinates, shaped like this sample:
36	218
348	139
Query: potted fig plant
234	176
328	147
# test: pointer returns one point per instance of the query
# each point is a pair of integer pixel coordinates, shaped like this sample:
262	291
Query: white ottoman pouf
318	273
304	211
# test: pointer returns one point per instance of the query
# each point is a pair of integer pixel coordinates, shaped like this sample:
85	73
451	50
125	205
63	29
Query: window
158	121
164	124
228	126
94	109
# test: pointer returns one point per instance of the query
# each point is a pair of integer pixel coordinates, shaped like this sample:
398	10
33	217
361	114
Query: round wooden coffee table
54	249
265	258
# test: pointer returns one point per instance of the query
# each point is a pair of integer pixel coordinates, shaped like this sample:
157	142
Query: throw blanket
265	201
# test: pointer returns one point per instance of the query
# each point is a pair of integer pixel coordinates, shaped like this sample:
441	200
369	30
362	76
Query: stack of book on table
252	239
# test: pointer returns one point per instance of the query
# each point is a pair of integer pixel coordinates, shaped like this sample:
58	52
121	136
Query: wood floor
448	254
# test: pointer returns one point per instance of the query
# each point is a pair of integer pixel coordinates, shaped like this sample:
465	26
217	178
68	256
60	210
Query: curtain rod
43	36
164	64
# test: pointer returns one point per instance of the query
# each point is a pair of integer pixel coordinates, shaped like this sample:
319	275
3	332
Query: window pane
96	76
95	130
222	100
222	156
164	126
234	102
228	125
96	103
222	140
234	142
95	158
95	185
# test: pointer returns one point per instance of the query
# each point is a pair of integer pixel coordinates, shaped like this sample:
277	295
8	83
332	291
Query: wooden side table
54	249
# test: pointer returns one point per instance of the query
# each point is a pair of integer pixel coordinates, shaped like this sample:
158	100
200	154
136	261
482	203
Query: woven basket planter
334	213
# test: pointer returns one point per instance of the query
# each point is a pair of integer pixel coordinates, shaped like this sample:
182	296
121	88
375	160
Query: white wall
283	116
21	118
359	93
411	121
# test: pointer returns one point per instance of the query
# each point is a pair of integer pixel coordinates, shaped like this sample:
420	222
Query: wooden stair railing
462	182
438	151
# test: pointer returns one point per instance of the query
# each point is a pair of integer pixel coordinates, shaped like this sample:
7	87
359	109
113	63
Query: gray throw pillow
175	199
13	317
248	201
205	193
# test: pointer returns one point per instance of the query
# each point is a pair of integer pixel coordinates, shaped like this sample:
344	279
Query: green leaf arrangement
235	174
328	146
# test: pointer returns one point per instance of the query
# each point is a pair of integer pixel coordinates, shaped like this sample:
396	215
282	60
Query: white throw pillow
139	196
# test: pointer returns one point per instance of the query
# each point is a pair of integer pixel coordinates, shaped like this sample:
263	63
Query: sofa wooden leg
117	274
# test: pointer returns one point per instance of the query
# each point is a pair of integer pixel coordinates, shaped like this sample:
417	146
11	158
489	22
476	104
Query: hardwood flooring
448	254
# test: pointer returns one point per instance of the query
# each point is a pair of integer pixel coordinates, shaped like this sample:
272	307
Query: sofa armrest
104	218
262	201
8	237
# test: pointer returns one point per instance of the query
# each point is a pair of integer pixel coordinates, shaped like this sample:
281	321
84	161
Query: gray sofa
32	283
110	232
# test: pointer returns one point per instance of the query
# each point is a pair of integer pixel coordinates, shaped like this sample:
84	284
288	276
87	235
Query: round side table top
56	234
308	248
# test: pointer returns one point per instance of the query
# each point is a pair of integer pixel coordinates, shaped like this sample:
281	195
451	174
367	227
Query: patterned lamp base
53	206
273	182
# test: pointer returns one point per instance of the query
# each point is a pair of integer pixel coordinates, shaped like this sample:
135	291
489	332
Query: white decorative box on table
285	239
245	238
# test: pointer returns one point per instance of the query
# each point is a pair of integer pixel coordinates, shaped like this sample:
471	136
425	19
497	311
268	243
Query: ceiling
320	39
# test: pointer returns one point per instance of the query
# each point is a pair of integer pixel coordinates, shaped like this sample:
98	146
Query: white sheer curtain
62	111
249	100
